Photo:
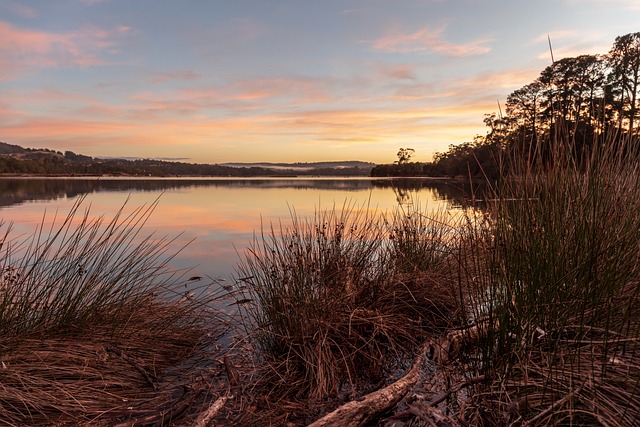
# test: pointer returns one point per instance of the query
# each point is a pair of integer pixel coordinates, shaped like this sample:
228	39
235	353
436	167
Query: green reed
554	275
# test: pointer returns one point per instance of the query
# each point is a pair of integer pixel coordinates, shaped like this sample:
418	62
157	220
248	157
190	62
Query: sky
213	81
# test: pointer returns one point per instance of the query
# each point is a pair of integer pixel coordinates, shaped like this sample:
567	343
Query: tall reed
69	273
326	303
94	324
421	240
554	275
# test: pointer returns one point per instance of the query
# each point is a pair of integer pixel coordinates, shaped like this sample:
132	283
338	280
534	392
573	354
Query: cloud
426	40
297	88
262	136
240	97
566	44
24	49
92	2
397	72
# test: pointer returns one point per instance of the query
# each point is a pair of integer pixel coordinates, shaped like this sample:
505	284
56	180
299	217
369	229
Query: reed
421	239
553	276
328	308
95	327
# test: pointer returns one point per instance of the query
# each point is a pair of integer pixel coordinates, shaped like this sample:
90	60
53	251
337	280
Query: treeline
21	161
578	101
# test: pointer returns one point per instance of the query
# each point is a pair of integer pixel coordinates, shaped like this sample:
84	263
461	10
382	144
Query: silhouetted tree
404	155
624	60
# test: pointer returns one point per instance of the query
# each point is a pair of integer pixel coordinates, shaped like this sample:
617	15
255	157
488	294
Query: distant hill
17	160
10	148
304	166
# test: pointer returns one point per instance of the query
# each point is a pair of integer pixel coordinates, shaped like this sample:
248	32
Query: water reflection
19	190
222	215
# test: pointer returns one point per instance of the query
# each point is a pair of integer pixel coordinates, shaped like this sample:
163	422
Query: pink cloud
299	89
22	49
92	2
426	40
244	96
397	72
254	137
568	44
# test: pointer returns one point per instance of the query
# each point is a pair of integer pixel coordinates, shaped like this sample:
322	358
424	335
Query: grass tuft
329	307
95	328
553	275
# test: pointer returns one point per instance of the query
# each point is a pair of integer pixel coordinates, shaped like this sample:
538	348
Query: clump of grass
94	325
327	306
421	241
554	281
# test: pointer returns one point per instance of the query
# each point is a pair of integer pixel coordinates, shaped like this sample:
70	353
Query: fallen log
359	412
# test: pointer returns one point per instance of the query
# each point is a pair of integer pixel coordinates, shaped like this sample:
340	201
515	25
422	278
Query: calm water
220	214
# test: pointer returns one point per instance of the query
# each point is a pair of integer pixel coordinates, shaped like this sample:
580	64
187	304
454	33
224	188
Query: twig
456	387
358	413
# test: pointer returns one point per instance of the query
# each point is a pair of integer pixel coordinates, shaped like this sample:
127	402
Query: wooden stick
211	412
358	413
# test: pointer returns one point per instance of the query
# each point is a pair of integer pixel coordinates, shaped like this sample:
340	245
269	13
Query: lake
216	218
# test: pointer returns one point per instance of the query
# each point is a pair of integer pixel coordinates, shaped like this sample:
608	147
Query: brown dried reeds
328	308
96	329
552	276
90	377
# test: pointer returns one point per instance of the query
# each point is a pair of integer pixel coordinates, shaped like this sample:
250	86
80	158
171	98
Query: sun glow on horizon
226	82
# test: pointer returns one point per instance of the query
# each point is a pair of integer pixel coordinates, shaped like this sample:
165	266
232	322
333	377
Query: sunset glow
279	81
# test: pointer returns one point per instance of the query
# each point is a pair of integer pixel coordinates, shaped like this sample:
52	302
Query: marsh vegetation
96	329
525	304
529	305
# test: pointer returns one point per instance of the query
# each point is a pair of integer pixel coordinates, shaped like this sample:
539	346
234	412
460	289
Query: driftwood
205	417
359	412
427	411
234	382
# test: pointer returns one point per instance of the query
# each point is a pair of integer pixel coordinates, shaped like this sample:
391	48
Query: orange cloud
22	49
254	138
269	119
426	40
219	124
397	72
298	89
240	97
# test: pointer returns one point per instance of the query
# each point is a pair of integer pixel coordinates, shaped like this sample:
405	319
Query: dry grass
328	310
97	330
91	377
552	272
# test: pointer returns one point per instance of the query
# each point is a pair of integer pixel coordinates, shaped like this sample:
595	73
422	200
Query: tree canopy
578	100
